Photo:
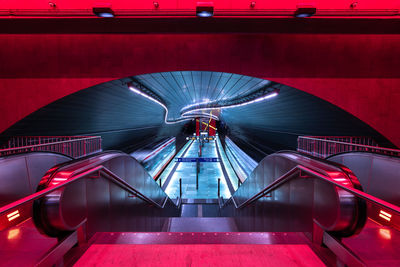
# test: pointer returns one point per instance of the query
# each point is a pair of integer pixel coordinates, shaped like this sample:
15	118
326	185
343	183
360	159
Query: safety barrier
73	146
324	146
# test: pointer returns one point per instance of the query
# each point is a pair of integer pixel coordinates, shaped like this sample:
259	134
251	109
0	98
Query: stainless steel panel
14	180
379	175
20	174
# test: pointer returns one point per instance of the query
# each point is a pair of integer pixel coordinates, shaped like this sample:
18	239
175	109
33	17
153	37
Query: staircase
200	237
199	215
198	249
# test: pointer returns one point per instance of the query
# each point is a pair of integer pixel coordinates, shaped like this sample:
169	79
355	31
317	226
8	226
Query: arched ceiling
124	118
180	89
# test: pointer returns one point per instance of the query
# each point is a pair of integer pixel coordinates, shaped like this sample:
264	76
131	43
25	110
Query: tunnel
190	133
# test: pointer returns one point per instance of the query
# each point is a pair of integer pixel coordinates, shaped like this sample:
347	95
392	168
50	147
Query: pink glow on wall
358	73
385	233
13	233
191	4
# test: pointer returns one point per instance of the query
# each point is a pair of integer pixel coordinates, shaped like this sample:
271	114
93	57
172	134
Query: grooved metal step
202	224
198	238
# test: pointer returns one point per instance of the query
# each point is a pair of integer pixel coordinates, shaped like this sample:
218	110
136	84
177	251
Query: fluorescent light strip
386	214
275	93
13	215
184	118
384	217
205	115
188	116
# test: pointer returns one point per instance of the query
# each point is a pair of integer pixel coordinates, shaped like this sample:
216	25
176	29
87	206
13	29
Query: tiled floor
208	176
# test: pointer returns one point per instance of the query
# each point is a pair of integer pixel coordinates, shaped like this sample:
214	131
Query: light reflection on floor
208	177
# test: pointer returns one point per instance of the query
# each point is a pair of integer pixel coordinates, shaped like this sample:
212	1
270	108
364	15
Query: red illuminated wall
190	4
356	72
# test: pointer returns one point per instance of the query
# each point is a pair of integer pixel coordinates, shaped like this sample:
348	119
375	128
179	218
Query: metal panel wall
20	174
379	175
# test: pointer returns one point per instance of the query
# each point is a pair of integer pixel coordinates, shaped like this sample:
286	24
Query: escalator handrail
109	175
290	174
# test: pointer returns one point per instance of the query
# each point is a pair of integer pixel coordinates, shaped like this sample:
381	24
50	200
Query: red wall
191	4
356	72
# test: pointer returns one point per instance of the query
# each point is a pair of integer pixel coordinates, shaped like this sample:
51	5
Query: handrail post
197	174
180	188
84	147
197	181
219	187
159	180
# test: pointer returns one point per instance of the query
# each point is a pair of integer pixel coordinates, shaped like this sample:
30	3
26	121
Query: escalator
112	191
288	186
289	199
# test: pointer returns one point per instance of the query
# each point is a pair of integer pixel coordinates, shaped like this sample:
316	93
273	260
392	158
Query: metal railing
324	146
73	146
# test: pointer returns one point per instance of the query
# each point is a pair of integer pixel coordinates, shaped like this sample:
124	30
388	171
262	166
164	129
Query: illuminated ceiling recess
103	11
202	109
183	118
205	9
188	110
305	11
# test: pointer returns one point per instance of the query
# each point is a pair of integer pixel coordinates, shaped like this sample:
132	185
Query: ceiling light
136	90
305	11
258	99
103	12
205	9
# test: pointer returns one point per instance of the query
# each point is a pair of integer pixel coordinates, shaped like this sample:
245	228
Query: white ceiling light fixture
205	9
216	106
305	11
183	117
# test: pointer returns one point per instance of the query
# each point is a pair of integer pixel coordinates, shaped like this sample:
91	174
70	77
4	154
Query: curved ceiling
124	118
180	89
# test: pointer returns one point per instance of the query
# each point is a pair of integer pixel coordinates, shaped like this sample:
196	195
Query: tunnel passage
126	119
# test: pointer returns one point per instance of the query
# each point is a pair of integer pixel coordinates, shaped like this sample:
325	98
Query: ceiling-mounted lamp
52	4
305	11
103	11
205	9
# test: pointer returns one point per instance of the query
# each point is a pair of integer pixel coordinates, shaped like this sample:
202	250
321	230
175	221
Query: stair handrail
299	168
109	175
49	144
350	144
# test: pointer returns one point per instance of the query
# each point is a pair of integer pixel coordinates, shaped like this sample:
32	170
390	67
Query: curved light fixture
183	117
188	110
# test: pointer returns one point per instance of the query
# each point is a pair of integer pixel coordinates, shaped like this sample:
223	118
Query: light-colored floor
199	255
208	177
